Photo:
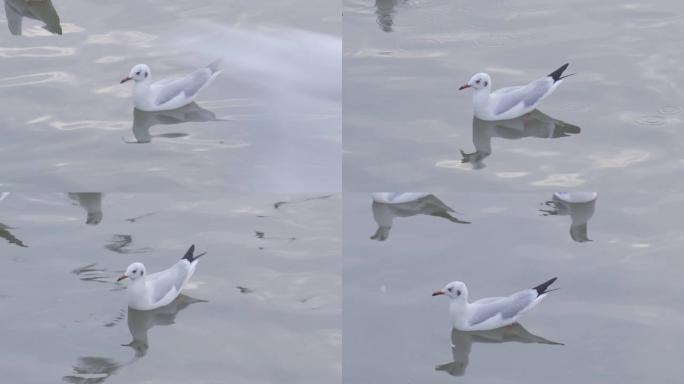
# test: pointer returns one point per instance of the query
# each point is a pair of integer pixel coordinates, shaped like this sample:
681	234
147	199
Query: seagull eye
137	73
458	293
135	271
450	289
478	81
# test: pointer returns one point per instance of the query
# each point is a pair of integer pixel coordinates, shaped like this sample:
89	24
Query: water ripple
35	78
36	52
650	120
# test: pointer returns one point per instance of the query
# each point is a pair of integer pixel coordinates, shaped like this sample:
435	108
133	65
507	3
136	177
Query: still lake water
263	306
618	314
270	121
615	125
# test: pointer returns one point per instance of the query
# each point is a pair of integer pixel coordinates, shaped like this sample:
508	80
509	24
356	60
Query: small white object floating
148	292
511	102
169	93
492	312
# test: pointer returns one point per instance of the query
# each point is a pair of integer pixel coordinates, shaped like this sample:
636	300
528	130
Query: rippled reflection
42	10
139	322
579	205
533	124
143	121
462	342
92	203
96	369
387	206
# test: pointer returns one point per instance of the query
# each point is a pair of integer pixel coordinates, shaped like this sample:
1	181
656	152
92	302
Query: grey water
259	308
269	122
617	317
615	125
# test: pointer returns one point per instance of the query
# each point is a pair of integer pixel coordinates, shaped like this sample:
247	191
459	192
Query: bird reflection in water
462	342
405	205
144	120
95	370
91	202
41	10
579	206
385	9
533	124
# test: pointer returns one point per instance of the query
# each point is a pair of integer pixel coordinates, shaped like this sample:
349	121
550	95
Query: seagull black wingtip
189	255
543	287
558	73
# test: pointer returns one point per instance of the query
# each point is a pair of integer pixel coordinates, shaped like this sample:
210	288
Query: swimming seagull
492	312
168	93
511	102
148	292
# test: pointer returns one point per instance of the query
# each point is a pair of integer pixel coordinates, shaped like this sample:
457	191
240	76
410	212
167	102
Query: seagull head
133	272
140	72
478	81
456	290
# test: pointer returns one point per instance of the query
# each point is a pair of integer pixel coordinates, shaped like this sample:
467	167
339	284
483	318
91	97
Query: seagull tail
189	255
543	288
558	73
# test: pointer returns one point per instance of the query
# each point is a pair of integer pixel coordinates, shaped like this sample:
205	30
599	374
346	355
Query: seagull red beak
438	293
122	277
125	79
464	87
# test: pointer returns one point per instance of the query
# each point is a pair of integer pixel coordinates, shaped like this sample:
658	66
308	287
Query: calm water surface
617	317
407	127
270	121
264	304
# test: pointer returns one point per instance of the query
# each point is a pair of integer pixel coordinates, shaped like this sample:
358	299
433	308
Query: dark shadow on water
144	120
384	213
91	202
462	342
534	124
95	369
43	10
579	206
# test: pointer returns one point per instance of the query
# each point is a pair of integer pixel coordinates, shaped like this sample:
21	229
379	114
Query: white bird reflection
144	120
533	124
579	205
384	211
41	10
462	342
139	322
91	202
95	369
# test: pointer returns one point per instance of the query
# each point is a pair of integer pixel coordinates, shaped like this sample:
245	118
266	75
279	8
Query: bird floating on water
156	290
168	94
491	312
511	102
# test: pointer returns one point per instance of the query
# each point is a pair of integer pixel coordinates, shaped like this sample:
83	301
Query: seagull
511	102
492	312
148	292
168	93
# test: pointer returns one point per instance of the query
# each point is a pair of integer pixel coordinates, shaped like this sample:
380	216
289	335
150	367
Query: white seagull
511	102
168	93
491	312
148	292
